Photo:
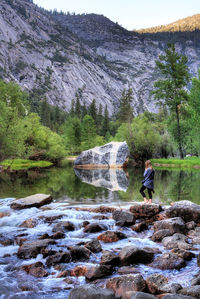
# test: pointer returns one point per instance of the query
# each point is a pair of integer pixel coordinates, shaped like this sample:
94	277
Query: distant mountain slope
187	24
56	55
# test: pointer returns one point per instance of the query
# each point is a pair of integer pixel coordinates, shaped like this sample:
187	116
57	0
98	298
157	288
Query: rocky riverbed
56	250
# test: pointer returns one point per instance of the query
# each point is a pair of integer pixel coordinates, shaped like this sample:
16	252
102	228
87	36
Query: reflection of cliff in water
112	179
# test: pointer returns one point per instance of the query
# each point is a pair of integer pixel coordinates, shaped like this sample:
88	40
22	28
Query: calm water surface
67	184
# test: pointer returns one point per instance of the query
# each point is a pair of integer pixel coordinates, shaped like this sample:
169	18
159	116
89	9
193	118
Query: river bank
49	250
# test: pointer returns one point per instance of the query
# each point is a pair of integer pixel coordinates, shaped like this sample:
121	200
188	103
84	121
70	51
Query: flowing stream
70	194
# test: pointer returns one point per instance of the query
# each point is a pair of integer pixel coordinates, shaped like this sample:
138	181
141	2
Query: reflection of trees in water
169	185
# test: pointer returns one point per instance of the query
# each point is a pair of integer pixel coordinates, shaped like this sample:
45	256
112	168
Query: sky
131	14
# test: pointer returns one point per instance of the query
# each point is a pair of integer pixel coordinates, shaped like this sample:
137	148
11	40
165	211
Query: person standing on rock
148	181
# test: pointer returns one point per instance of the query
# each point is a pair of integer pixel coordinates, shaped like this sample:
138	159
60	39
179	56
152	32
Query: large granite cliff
56	55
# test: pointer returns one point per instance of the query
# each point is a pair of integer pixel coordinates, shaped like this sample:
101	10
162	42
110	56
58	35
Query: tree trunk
179	133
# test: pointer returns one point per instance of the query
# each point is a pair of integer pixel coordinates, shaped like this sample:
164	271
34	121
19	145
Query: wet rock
139	295
85	223
100	217
176	241
20	241
128	270
46	252
33	248
79	252
168	261
195	235
98	272
139	227
64	273
6	241
142	210
29	223
94	228
50	219
36	200
36	269
170	288
94	246
175	225
160	234
63	227
123	218
190	225
193	291
91	292
79	271
113	154
132	255
155	282
59	257
198	259
125	283
109	258
58	235
176	296
185	209
101	209
184	254
44	236
4	214
111	236
195	280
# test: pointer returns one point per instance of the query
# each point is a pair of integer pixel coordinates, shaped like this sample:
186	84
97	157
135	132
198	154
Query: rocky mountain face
57	56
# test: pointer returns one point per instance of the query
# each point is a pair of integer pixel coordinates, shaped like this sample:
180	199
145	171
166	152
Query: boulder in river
124	283
36	200
98	272
175	225
59	257
142	210
193	291
185	209
91	292
155	282
93	245
131	255
176	241
168	261
123	218
94	228
32	248
111	236
36	269
113	154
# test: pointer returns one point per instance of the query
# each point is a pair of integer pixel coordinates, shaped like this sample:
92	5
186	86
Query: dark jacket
148	181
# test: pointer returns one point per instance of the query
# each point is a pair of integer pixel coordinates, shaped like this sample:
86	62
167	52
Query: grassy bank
19	164
190	162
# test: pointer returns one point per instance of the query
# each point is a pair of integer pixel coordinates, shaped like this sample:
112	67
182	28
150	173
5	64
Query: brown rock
123	218
20	241
176	241
168	261
175	225
111	236
51	219
36	200
79	271
58	235
4	214
94	246
142	210
139	227
31	249
128	270
125	283
100	217
193	291
29	223
161	234
59	257
109	258
79	253
185	209
184	254
155	282
98	272
63	274
63	227
36	269
94	228
131	255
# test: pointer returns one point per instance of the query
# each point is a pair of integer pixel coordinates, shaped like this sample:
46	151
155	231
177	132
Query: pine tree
93	111
125	114
105	127
72	110
45	113
84	111
78	108
99	119
170	91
